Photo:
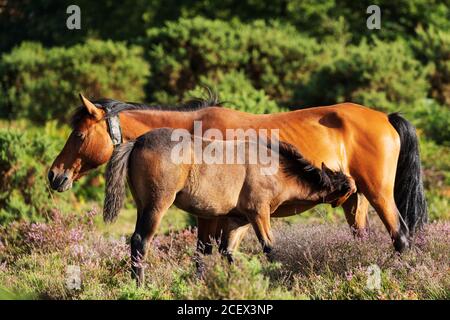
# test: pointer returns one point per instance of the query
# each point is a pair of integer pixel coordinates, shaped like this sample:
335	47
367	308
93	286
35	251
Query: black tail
408	191
116	175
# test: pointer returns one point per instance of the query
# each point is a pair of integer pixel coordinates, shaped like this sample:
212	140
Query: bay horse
379	151
236	189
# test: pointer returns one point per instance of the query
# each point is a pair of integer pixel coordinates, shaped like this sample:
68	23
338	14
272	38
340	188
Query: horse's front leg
232	234
146	225
260	221
356	208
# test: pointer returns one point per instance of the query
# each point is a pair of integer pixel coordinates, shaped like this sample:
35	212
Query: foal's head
329	186
337	187
87	147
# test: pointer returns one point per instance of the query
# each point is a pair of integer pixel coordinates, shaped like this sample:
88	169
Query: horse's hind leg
379	191
206	231
389	214
146	225
356	208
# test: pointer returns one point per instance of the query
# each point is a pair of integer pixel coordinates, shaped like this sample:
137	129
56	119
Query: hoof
401	243
267	250
200	273
138	275
199	266
228	255
360	233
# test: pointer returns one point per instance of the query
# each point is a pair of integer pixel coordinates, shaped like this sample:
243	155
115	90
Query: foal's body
237	190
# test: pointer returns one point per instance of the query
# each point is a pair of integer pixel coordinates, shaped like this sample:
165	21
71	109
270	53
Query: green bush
23	188
383	75
42	84
128	19
432	47
435	158
26	153
237	92
434	120
272	56
436	168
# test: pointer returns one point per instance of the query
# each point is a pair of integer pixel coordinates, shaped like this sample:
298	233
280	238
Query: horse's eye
80	135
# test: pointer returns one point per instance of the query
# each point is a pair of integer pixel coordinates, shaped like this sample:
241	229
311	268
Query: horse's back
331	134
155	139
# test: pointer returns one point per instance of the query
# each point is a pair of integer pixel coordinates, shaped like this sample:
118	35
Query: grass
311	260
175	219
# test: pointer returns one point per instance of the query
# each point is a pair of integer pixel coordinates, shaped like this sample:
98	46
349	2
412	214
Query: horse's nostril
51	175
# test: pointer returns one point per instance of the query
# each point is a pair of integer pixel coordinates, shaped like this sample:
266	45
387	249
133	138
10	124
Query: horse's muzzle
59	182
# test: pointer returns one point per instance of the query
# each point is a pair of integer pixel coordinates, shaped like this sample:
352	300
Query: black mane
294	164
114	107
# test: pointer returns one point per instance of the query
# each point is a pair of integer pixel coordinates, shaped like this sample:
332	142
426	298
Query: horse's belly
212	190
204	207
287	210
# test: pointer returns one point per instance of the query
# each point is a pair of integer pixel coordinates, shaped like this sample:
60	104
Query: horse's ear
97	113
326	169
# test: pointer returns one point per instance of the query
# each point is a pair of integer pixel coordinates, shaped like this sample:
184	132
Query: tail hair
409	193
116	175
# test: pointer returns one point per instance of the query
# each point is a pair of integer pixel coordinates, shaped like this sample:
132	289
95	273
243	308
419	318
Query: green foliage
433	47
383	75
42	84
272	56
246	278
236	92
438	204
45	21
435	157
174	220
23	188
128	19
6	294
434	120
26	153
436	167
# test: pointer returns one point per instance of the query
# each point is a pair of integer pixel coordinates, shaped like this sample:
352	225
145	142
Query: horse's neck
137	122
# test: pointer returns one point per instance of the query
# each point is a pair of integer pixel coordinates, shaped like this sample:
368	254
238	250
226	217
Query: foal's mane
114	107
295	165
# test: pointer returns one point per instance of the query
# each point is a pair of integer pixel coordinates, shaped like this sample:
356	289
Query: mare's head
88	146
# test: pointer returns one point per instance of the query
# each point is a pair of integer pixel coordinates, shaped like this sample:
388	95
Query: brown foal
240	190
